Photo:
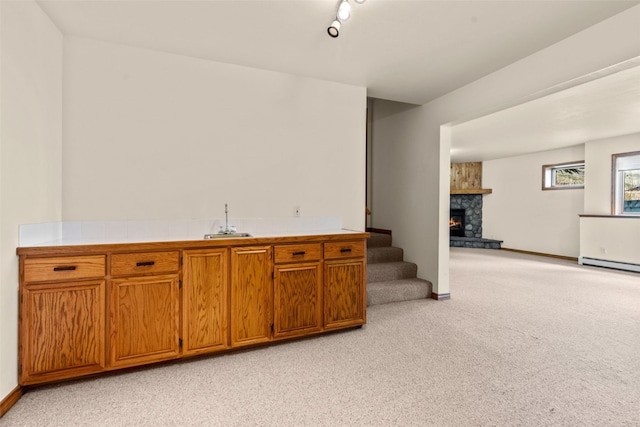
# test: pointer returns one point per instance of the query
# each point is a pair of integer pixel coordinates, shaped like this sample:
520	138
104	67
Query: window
626	183
563	176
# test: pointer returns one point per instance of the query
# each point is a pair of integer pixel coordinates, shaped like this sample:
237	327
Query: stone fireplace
469	207
465	216
456	222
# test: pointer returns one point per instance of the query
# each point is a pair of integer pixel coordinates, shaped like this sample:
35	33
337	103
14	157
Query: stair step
379	239
385	271
397	290
384	254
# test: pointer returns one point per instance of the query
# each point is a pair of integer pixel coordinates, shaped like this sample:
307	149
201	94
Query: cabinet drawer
295	253
144	263
337	250
63	268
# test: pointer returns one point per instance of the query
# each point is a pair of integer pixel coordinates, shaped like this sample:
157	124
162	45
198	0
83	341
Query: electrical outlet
296	211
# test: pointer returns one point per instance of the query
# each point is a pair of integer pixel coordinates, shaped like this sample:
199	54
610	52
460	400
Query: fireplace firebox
456	222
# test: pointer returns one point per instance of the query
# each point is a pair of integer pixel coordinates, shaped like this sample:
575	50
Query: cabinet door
62	330
205	300
144	319
251	295
344	293
297	302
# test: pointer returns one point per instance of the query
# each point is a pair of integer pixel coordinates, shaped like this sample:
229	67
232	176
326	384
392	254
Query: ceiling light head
334	29
360	1
344	11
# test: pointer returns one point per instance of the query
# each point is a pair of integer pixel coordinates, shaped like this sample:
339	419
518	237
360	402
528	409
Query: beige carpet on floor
524	341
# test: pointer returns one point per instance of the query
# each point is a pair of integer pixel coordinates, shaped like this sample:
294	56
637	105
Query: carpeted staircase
389	277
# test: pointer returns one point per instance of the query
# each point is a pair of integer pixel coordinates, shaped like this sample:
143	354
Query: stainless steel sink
225	235
226	232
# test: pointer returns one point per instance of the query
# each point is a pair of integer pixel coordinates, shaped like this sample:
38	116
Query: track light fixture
334	29
342	15
344	11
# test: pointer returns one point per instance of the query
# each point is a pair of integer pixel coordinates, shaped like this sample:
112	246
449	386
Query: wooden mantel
471	191
466	178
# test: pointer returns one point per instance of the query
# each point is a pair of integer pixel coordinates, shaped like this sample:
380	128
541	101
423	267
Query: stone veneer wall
472	204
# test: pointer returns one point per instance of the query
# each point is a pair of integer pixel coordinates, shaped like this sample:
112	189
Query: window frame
617	190
548	182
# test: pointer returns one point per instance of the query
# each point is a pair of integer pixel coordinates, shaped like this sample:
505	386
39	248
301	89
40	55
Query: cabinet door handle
299	253
65	268
345	250
145	263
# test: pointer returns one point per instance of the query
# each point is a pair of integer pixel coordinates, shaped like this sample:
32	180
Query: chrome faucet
226	218
226	229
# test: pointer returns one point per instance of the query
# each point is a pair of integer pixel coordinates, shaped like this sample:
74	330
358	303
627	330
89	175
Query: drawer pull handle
65	268
145	263
345	250
299	253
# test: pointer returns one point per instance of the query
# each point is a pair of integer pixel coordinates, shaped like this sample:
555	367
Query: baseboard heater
609	264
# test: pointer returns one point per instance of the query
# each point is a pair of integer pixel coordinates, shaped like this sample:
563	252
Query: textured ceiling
409	51
402	50
602	108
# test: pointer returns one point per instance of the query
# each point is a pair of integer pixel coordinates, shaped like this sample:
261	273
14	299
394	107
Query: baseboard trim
567	258
378	230
440	297
10	400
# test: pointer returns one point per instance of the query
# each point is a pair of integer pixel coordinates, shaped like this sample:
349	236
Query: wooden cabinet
297	290
139	263
345	297
91	308
63	268
251	295
345	250
205	294
62	312
144	309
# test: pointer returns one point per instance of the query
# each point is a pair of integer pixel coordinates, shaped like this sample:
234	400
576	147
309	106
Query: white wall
417	210
524	216
30	147
610	239
614	239
404	173
151	135
393	124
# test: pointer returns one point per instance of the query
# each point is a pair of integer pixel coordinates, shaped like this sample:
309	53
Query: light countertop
75	233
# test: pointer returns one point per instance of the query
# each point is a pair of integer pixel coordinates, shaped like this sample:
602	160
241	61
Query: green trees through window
626	178
569	176
563	176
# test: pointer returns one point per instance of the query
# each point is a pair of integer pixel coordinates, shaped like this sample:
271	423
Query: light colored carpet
390	279
524	341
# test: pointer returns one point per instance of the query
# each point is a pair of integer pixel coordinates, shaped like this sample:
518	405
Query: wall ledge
609	216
